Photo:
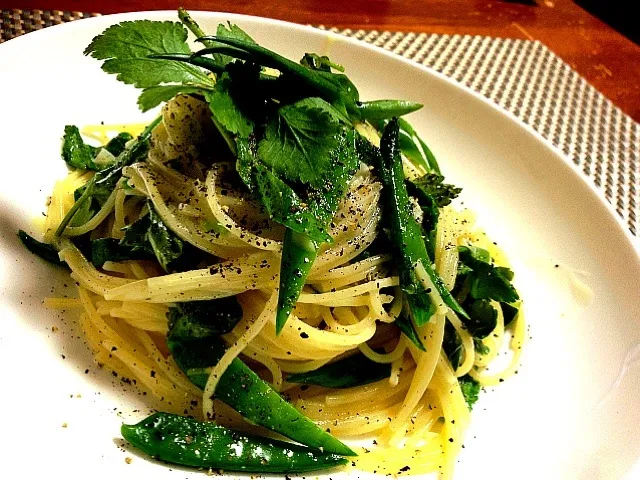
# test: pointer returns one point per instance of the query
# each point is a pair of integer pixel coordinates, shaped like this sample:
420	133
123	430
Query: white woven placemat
521	76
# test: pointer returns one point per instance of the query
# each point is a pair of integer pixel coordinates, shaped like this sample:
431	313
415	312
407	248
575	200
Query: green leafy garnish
480	347
77	154
348	372
43	250
126	49
111	250
149	234
452	345
482	317
470	389
299	141
203	319
225	108
486	281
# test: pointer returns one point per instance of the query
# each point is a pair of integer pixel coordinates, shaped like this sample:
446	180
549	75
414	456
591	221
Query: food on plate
273	254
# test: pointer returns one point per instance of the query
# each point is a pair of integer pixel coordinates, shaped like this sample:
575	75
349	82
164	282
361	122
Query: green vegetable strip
384	109
298	254
185	441
406	326
108	177
192	25
271	59
349	372
415	149
43	250
406	234
203	62
244	391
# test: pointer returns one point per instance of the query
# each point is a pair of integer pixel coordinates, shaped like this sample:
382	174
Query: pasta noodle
417	414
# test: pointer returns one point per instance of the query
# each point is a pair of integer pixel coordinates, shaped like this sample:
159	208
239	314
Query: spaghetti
417	415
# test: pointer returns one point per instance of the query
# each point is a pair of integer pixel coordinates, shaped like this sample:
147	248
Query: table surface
605	57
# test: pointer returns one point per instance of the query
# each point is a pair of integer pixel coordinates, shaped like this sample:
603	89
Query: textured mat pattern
522	76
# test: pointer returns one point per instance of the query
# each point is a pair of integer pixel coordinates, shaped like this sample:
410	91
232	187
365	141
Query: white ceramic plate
573	411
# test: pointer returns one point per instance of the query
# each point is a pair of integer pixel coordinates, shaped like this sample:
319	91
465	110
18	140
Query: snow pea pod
185	441
244	391
377	110
298	254
405	232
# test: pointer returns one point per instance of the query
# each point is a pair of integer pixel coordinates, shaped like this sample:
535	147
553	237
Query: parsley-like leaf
225	109
78	154
311	214
126	47
483	318
298	142
452	345
75	152
470	390
149	234
203	319
281	202
233	32
486	281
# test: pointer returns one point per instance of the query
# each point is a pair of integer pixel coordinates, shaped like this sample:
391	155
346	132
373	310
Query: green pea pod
298	254
405	233
414	148
244	391
334	87
384	109
185	441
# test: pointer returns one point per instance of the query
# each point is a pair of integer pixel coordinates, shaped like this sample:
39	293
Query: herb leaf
298	141
75	152
150	234
225	109
486	280
348	372
203	319
452	345
43	250
110	250
126	48
483	318
281	202
232	32
470	389
284	205
78	154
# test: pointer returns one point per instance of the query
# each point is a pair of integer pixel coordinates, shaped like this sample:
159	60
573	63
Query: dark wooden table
606	58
